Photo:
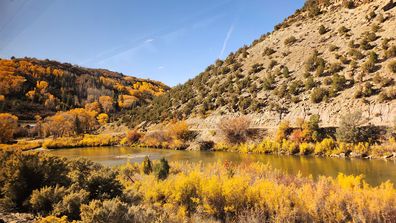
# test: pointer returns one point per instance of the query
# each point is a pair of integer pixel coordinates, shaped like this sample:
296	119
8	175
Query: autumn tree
283	130
179	130
126	101
107	103
69	123
94	106
103	118
9	81
8	126
235	130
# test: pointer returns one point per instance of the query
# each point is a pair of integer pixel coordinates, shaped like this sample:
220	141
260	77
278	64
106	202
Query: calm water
375	171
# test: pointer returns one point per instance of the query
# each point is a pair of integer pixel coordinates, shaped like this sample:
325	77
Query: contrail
228	36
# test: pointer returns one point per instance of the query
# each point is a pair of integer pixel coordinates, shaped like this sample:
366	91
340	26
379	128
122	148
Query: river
375	171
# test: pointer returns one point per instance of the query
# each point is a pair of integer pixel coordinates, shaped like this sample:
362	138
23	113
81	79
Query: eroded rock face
380	114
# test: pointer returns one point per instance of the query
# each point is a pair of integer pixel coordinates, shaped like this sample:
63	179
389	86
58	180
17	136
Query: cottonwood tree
8	126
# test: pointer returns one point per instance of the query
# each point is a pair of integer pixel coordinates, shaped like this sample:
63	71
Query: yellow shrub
306	148
327	145
289	147
53	219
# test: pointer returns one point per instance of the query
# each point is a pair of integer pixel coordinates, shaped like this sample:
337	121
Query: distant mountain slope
329	58
30	87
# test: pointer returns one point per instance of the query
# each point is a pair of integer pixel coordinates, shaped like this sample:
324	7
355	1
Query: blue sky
166	40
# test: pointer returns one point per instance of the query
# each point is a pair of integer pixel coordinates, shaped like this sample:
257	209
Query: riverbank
326	148
87	140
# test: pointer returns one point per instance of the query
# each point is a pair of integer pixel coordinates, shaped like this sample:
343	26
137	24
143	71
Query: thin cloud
136	42
225	43
148	40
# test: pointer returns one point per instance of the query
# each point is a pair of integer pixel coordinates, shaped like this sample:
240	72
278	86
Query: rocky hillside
30	87
329	58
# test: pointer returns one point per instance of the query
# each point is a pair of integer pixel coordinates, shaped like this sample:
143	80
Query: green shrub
43	200
387	95
312	7
22	173
147	165
290	40
390	52
356	54
162	169
314	61
309	83
286	72
102	184
281	91
343	30
320	70
392	66
268	82
333	48
256	68
70	204
348	4
268	51
335	68
349	127
318	94
327	81
364	91
383	81
272	64
369	65
322	30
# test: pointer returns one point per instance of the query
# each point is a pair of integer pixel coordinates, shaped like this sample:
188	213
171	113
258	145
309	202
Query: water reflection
375	171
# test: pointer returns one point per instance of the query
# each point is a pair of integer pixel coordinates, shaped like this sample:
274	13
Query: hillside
329	58
30	87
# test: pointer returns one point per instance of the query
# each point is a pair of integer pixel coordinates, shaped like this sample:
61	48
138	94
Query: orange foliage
126	101
9	81
107	103
69	123
8	126
94	106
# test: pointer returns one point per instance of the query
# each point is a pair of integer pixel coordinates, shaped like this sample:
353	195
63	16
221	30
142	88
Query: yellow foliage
94	106
42	86
107	103
282	130
21	145
53	219
103	118
85	141
327	145
126	101
8	126
282	198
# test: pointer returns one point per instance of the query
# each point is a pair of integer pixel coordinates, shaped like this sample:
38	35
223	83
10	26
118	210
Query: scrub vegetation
61	190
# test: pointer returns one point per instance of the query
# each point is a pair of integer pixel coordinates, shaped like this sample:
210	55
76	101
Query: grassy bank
185	192
82	141
22	145
86	140
327	147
